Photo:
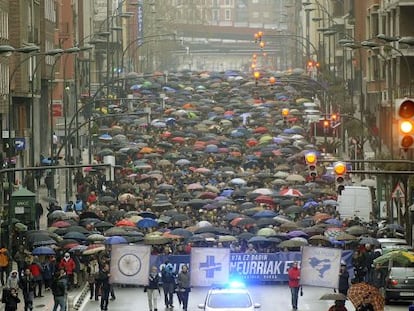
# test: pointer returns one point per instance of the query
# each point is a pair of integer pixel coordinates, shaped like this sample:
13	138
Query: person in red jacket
294	283
36	270
69	265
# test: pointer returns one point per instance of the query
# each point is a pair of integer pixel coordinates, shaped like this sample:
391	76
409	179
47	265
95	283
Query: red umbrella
202	170
265	199
125	223
61	224
207	195
260	130
166	134
291	192
251	142
178	139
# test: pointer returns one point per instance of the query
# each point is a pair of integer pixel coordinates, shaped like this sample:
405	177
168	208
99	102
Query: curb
75	303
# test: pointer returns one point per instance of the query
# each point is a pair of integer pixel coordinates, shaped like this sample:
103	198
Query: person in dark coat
343	285
184	288
153	289
379	275
11	300
103	277
168	277
27	284
38	214
59	290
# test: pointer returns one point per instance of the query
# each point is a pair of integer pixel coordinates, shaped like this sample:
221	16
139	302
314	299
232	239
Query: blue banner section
252	267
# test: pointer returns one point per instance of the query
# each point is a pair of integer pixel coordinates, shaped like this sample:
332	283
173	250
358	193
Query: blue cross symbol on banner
210	266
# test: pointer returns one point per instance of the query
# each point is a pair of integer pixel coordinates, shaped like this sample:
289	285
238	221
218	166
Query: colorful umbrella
357	292
291	192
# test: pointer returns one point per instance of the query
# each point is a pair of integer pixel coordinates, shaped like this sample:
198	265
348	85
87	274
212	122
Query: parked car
400	284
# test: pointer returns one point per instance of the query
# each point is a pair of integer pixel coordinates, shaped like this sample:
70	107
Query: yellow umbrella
265	139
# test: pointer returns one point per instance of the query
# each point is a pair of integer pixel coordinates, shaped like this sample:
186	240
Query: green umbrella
402	257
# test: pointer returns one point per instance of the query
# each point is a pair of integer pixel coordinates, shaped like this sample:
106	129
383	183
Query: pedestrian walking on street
294	283
168	283
153	289
59	290
48	271
13	280
338	306
4	264
103	277
92	271
184	288
343	285
11	300
38	214
27	285
69	265
36	270
366	305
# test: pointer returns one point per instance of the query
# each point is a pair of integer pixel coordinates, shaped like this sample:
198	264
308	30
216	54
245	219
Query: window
50	11
215	15
4	25
227	15
4	78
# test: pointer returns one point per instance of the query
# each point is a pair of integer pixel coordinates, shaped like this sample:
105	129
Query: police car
233	296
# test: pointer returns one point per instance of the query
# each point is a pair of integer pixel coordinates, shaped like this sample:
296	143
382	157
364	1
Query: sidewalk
46	303
75	296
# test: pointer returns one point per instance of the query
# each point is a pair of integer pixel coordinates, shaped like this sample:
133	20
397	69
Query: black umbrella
88	215
106	199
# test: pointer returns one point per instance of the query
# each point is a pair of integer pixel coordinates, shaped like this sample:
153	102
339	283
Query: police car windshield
229	300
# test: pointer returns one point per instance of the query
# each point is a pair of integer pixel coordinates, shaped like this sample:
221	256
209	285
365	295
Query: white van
355	201
310	105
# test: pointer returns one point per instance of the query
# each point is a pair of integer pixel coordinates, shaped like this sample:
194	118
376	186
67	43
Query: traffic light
334	119
340	171
311	160
326	124
285	114
405	117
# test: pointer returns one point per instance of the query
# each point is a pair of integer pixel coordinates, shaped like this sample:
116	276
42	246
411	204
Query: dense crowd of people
216	159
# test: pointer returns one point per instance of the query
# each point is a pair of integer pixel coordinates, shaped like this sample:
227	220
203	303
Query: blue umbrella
43	250
288	131
334	221
309	204
227	192
265	213
211	149
116	239
147	223
135	87
105	137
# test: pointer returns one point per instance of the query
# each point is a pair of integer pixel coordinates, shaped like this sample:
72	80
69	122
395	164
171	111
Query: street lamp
56	53
29	49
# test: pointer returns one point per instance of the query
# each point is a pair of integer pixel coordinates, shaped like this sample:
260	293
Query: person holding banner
294	283
184	288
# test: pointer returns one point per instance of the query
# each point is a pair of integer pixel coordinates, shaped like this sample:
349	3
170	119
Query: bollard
70	303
